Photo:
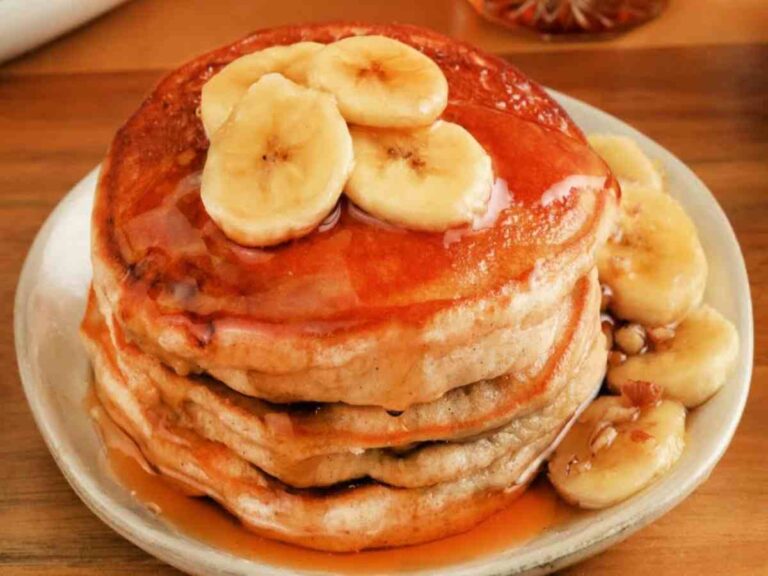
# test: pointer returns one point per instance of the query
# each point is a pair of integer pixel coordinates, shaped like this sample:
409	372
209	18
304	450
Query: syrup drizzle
535	511
354	267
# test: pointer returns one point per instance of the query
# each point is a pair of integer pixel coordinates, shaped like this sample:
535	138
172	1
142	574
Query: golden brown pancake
361	314
309	430
341	518
494	419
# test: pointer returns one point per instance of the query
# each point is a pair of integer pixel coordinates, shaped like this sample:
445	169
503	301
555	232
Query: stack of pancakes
364	386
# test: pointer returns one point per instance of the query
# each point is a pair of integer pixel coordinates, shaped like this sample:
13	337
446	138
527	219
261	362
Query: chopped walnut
630	338
641	394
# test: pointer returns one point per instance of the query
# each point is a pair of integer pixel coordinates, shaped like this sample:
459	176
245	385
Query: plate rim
172	549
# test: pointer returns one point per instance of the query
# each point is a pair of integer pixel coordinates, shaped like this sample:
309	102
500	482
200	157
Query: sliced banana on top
692	365
380	82
626	160
278	165
616	449
430	178
654	263
224	90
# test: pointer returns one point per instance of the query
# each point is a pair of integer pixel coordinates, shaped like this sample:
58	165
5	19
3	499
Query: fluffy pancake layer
443	488
324	445
359	314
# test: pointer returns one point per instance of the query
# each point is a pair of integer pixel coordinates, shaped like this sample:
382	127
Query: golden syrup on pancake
350	271
536	510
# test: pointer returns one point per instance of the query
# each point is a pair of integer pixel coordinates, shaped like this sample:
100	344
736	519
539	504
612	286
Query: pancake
300	432
364	385
340	518
362	314
412	466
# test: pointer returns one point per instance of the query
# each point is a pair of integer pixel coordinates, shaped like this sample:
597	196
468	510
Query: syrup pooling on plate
351	267
535	511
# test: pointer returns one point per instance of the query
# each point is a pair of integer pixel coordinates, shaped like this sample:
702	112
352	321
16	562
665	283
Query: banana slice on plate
430	178
654	262
380	82
692	365
627	161
617	447
278	165
224	90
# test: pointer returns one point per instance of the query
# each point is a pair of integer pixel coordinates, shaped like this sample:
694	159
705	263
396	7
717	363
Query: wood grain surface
707	102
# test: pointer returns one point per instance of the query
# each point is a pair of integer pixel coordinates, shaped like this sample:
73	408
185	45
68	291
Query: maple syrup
350	272
536	510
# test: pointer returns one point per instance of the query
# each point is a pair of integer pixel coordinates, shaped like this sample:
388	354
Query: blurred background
162	33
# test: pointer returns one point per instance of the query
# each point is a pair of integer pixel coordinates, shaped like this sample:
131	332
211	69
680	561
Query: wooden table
695	80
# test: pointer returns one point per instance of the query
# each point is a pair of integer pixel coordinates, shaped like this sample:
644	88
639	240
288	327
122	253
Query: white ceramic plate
25	24
50	300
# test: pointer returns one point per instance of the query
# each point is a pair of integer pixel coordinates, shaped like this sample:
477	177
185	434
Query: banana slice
380	82
654	262
278	165
616	449
430	178
224	90
692	365
627	161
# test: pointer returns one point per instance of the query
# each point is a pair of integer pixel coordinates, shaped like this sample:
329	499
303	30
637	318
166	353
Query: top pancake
184	291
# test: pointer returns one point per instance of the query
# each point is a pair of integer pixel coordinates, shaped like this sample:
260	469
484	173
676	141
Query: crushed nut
641	394
616	358
630	338
602	437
